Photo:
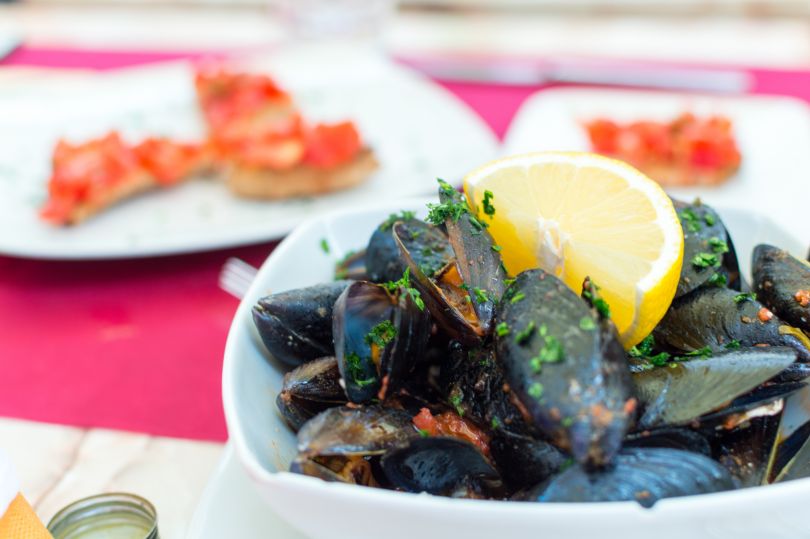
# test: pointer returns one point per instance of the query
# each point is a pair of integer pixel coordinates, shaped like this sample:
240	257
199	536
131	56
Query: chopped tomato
81	172
226	96
330	145
453	425
169	161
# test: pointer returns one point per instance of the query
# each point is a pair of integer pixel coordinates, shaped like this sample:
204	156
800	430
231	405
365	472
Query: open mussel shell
474	383
682	392
645	475
704	234
362	431
747	451
296	326
524	461
310	389
449	304
717	317
428	244
560	363
478	261
437	465
352	267
379	335
793	458
672	438
782	283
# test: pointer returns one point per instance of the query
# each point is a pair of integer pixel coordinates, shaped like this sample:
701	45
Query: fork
236	276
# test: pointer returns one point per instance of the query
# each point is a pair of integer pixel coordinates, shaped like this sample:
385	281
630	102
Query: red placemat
137	345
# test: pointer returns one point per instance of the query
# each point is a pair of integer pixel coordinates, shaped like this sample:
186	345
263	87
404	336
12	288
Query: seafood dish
257	141
685	151
426	366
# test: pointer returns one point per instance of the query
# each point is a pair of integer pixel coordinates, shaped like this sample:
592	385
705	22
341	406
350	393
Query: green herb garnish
709	218
517	297
497	248
324	245
423	433
705	260
496	423
502	329
456	399
739	298
586	323
536	390
717	279
489	209
381	334
718	246
690	219
524	335
706	351
733	344
403	215
480	295
405	284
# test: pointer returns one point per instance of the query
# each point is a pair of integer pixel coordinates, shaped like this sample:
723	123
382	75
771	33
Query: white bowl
265	446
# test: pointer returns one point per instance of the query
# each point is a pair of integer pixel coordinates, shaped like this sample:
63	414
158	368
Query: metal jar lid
116	515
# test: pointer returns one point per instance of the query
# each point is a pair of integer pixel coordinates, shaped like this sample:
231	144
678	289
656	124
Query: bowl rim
767	496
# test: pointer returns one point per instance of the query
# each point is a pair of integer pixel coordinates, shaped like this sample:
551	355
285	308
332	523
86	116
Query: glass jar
115	515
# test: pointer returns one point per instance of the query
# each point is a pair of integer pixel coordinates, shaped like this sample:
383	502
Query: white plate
417	129
230	506
773	134
251	380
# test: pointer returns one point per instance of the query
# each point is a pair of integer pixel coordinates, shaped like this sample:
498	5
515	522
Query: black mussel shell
478	260
428	245
793	456
645	475
378	337
443	296
296	326
567	372
524	461
708	254
352	266
746	451
473	382
672	438
436	465
681	392
310	389
719	318
782	283
362	431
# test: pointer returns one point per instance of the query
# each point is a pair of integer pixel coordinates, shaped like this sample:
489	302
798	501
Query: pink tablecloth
137	345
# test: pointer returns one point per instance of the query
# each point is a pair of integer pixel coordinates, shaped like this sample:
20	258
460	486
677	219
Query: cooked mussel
524	461
337	444
309	389
645	475
782	283
427	244
296	326
566	368
671	437
719	319
681	392
352	266
709	257
379	335
747	450
440	465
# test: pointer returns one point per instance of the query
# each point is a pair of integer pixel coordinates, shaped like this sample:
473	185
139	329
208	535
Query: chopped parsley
405	284
439	213
717	279
586	323
508	282
480	295
497	248
644	348
445	188
705	260
709	218
496	423
423	433
525	334
456	399
733	344
324	245
739	298
381	334
706	351
536	390
590	294
690	219
718	246
658	360
356	372
502	329
403	215
567	422
489	209
517	297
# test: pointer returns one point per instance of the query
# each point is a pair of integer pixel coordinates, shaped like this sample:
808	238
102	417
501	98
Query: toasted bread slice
301	180
134	184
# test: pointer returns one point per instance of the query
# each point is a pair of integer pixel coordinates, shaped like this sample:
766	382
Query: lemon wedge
580	214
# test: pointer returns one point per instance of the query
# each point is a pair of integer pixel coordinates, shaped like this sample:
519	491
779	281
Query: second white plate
773	134
418	130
